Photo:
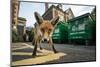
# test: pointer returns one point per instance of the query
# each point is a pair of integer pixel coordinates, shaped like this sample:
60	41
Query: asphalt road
66	53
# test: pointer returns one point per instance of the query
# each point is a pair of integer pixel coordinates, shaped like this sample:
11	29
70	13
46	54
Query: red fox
43	32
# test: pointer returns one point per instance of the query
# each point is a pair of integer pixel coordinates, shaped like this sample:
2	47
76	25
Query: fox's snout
45	40
45	37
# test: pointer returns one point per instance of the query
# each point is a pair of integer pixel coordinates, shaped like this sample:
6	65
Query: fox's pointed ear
39	18
55	20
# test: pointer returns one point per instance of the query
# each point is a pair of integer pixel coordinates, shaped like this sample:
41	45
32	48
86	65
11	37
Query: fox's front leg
51	43
35	48
40	44
40	47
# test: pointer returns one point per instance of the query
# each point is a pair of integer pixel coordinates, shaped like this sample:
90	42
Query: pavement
22	54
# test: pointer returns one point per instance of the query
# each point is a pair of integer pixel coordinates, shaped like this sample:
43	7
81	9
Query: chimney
46	6
59	6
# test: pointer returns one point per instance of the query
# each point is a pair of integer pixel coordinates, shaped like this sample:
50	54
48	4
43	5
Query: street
22	54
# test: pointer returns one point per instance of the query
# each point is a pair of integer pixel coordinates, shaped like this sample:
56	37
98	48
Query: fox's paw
55	52
33	55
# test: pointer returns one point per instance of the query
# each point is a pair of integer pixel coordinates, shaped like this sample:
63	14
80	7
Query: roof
57	8
93	11
69	10
21	18
51	7
81	16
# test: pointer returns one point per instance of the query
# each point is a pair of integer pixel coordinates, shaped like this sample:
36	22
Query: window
56	30
81	27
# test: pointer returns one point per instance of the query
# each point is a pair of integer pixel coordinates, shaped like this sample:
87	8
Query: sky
27	10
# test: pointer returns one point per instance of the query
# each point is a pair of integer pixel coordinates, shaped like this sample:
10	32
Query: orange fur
43	32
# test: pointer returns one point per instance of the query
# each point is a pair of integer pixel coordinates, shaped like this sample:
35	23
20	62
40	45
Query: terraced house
18	23
14	12
54	11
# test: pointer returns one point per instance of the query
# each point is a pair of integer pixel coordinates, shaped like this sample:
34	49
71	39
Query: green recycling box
82	28
60	34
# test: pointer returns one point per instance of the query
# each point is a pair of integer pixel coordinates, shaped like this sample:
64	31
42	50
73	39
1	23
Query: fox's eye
49	30
42	30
